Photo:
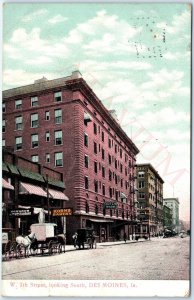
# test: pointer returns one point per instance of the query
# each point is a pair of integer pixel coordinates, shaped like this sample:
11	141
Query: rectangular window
102	136
18	104
85	139
86	161
48	158
96	167
86	182
34	101
117	195
121	182
115	148
121	168
110	175
3	143
18	123
121	153
110	192
95	128
141	195
3	125
58	116
109	143
96	186
47	136
103	171
3	107
35	158
141	184
125	171
34	140
58	97
115	164
109	159
103	190
18	143
95	148
34	120
59	159
47	115
116	179
58	137
103	153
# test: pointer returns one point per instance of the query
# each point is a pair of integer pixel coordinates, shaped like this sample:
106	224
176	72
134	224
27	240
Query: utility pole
47	192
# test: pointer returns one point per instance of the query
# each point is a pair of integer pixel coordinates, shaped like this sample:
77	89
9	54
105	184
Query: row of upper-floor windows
111	143
118	166
111	159
34	101
35	138
34	120
98	187
58	158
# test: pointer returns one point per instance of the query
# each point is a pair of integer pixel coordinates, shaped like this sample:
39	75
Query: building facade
30	194
167	219
150	200
62	124
173	204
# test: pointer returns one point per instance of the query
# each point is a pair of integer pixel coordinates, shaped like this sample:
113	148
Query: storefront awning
100	221
28	188
7	185
58	195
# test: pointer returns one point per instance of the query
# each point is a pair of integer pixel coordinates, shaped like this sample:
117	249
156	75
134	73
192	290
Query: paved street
158	259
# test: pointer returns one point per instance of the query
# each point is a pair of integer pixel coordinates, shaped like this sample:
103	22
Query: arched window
87	207
96	208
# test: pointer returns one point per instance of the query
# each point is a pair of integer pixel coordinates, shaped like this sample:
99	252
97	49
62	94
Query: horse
26	241
62	240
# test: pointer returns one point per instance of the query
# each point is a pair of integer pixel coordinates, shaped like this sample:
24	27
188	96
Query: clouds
57	19
34	15
150	92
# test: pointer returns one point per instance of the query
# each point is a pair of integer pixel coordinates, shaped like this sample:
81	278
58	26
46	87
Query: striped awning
58	195
28	188
7	185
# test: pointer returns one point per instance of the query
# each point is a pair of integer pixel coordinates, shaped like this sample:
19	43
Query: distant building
167	219
150	199
62	124
173	204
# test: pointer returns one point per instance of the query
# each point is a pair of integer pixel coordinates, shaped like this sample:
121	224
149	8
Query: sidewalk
108	244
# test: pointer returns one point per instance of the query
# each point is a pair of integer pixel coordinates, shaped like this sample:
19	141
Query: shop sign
20	212
62	212
110	205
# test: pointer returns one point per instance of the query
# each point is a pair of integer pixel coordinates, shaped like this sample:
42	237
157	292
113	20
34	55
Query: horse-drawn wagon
47	240
85	238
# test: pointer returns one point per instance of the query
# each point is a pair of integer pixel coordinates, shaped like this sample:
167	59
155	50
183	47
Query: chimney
76	74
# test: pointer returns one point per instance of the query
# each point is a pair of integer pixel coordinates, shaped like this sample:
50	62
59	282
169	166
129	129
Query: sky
135	57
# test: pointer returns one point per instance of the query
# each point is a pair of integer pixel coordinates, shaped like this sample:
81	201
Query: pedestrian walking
125	237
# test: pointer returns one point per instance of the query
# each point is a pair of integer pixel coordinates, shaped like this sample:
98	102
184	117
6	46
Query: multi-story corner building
173	204
62	124
167	217
150	199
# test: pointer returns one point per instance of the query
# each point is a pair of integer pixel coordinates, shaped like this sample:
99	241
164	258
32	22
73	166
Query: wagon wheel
6	250
59	248
20	251
50	247
13	249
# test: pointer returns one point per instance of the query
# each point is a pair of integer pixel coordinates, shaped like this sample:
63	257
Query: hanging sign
62	212
19	212
110	205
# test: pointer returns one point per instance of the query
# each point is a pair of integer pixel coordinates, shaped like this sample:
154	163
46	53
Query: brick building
62	124
150	199
29	192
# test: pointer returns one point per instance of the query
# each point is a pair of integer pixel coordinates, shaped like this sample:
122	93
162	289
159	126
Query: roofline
70	82
152	168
